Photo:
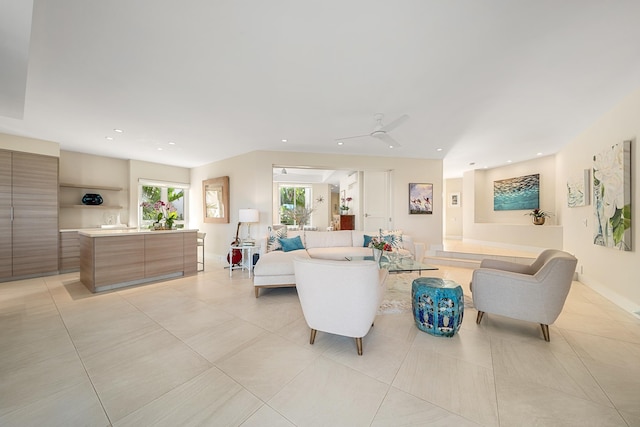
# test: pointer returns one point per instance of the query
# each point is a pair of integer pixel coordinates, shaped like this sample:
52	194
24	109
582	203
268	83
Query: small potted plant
538	216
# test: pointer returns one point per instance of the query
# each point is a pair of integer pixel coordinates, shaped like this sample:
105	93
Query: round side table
438	305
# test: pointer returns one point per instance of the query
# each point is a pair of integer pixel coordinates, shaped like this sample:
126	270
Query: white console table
247	258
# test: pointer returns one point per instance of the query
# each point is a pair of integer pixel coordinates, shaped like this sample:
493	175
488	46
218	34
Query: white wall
613	273
511	229
250	178
453	214
545	166
29	145
87	169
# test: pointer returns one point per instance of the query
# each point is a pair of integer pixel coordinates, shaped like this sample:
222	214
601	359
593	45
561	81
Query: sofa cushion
367	240
275	234
393	237
291	244
277	263
328	239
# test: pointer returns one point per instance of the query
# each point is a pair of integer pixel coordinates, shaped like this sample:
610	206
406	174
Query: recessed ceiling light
118	130
172	143
284	140
438	149
340	143
108	138
539	154
508	161
159	148
391	146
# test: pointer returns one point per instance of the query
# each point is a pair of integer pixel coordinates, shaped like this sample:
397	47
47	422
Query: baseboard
619	300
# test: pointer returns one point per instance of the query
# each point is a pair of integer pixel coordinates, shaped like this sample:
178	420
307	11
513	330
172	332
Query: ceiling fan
380	131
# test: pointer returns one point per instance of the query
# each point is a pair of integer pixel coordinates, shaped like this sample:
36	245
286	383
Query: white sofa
275	269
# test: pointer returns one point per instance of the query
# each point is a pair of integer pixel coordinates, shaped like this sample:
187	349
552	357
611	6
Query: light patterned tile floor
204	351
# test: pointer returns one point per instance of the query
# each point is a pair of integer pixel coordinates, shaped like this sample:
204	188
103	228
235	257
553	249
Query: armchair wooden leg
545	332
359	345
479	317
313	336
257	291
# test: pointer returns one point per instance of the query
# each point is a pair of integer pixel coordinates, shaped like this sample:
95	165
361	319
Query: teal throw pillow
367	241
291	244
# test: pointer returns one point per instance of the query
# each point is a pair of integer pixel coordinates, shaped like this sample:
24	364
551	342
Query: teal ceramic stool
438	305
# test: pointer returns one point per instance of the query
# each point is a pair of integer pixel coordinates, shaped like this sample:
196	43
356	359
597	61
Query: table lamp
248	216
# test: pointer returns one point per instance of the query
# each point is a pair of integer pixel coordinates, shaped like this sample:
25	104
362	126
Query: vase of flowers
163	214
379	246
344	207
538	216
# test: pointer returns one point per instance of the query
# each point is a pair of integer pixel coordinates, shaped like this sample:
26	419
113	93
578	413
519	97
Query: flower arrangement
163	214
380	244
538	213
345	203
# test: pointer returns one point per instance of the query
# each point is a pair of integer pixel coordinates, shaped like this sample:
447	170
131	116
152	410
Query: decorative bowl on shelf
92	199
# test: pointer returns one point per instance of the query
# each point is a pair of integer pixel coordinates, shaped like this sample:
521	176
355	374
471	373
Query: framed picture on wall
420	199
454	200
215	200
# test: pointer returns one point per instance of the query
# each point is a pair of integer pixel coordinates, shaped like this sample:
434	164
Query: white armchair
339	297
534	293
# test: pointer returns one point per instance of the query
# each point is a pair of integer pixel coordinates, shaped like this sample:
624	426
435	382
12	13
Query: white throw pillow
393	237
273	242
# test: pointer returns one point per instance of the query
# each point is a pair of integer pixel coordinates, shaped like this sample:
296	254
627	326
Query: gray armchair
533	293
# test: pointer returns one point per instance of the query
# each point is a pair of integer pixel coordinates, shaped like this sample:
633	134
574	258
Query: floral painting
578	189
518	193
612	197
420	198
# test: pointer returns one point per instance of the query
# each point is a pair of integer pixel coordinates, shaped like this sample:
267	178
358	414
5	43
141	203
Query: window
295	205
151	192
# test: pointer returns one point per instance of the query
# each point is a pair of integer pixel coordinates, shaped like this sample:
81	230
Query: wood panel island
111	259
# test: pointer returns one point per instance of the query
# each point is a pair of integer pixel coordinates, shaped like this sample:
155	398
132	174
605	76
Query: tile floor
204	351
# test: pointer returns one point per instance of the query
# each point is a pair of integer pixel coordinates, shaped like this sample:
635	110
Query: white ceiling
485	81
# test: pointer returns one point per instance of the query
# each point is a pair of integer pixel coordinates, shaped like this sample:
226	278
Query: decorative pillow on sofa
393	237
291	244
367	240
273	241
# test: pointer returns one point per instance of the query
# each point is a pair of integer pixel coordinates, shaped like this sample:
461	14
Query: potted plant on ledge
538	216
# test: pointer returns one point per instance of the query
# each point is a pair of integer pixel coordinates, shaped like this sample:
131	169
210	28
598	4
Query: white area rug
397	298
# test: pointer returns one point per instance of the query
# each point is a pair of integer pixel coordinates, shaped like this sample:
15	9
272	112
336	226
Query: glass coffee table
398	265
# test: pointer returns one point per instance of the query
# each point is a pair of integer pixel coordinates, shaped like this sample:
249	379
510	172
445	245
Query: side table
438	305
247	258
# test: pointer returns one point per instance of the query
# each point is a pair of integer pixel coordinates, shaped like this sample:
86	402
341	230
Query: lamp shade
249	215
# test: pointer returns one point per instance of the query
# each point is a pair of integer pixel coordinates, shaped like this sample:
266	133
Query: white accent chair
533	293
339	297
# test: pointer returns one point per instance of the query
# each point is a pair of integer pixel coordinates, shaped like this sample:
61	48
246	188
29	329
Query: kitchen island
111	259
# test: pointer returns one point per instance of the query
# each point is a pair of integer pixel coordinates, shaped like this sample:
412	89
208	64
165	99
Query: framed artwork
612	197
420	199
454	200
515	194
215	200
578	189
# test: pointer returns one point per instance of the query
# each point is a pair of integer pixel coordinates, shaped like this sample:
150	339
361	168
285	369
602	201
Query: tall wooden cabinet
28	215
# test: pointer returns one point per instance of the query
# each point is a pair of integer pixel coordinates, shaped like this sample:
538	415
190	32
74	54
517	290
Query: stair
469	259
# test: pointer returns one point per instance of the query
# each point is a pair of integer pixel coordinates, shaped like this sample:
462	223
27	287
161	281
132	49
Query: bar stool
200	243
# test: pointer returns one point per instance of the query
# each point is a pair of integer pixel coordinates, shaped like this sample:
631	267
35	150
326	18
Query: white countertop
128	232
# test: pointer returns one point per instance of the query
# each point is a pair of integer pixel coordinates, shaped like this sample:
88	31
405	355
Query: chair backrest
339	297
542	259
200	238
555	278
